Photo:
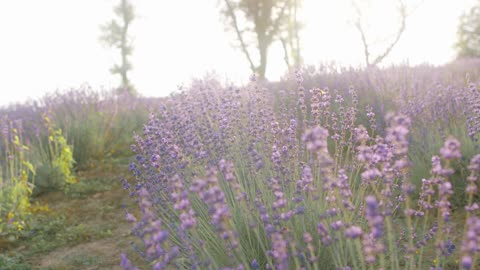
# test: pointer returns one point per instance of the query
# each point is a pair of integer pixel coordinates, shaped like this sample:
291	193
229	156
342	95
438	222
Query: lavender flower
353	232
451	149
324	234
125	263
280	252
213	196
154	237
397	133
130	218
292	181
337	225
472	180
471	242
375	220
466	262
254	264
371	117
361	134
182	204
428	236
316	139
371	242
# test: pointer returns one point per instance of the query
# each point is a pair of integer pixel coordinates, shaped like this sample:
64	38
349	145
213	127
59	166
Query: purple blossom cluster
471	243
472	110
155	238
266	177
182	204
372	244
250	178
212	195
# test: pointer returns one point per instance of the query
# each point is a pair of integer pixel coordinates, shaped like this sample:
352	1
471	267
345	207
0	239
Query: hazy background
54	44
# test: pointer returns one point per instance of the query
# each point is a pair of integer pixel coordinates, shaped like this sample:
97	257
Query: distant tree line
468	44
257	24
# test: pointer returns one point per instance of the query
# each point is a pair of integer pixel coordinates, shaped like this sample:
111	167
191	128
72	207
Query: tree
261	22
115	35
291	40
468	44
366	46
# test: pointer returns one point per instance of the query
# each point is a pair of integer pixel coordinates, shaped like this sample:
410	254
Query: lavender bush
36	139
250	178
16	179
99	124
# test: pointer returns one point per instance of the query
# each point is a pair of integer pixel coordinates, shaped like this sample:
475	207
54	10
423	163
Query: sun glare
58	48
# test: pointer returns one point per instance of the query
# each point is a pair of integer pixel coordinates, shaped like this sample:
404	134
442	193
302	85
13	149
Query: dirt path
101	212
85	230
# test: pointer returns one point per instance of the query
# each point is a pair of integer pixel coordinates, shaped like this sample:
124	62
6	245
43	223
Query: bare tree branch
403	14
291	42
364	42
270	19
239	35
286	58
358	25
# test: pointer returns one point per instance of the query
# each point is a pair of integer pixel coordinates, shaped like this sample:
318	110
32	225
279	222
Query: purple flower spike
466	262
125	263
324	234
360	134
255	264
475	164
353	232
451	149
371	244
130	218
182	204
280	252
337	225
471	242
375	220
316	139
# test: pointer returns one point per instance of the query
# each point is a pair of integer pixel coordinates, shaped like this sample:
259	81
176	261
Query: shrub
15	171
54	158
99	125
229	179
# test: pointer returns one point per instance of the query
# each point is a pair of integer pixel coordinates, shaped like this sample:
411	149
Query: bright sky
53	44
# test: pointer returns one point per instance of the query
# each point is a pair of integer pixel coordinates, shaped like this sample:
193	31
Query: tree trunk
124	50
262	68
298	56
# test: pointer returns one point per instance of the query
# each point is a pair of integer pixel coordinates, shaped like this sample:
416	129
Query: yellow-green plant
16	182
63	156
60	153
56	159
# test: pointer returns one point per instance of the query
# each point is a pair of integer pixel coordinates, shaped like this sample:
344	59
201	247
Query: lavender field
325	169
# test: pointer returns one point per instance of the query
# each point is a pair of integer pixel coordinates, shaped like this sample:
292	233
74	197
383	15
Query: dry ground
86	228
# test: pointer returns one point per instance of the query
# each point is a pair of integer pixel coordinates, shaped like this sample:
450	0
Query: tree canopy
468	44
115	35
259	23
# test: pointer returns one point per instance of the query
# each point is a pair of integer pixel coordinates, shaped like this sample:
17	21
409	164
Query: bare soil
95	223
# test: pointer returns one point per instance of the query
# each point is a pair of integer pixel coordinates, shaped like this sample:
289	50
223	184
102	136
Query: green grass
89	215
14	262
88	187
82	260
